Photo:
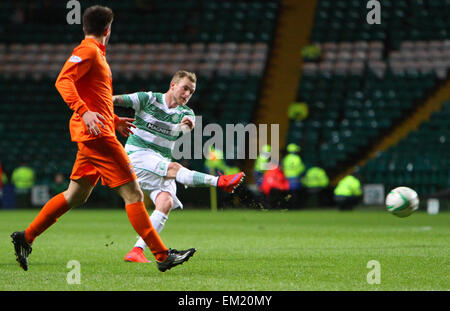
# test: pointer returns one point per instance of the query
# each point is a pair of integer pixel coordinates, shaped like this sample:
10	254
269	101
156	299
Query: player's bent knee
131	192
134	196
168	205
74	200
165	209
164	202
139	196
77	193
173	169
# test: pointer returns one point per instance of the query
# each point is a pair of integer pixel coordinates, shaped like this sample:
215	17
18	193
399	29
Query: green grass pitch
237	250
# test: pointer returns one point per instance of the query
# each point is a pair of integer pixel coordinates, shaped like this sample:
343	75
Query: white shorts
151	168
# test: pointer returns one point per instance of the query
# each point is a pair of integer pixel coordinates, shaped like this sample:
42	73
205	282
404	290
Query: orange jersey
85	83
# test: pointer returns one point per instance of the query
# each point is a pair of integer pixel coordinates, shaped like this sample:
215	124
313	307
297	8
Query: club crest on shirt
162	166
175	118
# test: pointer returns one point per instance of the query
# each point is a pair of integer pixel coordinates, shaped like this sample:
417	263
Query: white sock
195	179
158	220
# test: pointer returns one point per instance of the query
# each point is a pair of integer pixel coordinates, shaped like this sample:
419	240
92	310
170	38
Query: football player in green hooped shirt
160	119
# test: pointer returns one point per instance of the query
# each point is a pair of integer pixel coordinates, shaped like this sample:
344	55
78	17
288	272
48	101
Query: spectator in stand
58	185
298	111
311	53
261	164
293	168
275	187
348	193
23	178
316	182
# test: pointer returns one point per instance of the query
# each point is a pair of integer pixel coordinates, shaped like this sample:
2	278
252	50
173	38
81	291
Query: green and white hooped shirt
154	123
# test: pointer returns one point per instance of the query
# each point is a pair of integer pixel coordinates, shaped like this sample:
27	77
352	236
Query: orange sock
138	216
48	215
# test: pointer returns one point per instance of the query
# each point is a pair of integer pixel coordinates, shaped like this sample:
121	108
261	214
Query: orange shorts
106	158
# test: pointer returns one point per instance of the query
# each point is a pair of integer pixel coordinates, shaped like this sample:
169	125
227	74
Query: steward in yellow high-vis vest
348	192
293	166
261	164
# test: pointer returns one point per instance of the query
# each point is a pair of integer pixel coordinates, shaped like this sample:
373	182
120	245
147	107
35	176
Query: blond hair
180	74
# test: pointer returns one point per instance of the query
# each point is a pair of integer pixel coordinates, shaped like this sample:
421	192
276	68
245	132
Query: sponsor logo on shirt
160	128
75	59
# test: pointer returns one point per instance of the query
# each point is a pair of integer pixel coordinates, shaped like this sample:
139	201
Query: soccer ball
402	201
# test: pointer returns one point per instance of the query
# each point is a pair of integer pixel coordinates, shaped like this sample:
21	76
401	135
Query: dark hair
96	18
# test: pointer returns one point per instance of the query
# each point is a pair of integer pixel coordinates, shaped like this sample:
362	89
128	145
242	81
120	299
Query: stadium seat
370	76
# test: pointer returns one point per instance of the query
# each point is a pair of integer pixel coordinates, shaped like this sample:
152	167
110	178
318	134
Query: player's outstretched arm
124	125
187	122
120	101
134	101
186	125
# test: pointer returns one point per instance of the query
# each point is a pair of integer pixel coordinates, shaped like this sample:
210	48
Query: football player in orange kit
85	84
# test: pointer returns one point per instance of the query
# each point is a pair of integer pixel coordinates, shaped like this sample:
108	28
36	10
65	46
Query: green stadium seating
33	118
420	160
368	78
345	20
164	21
348	120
